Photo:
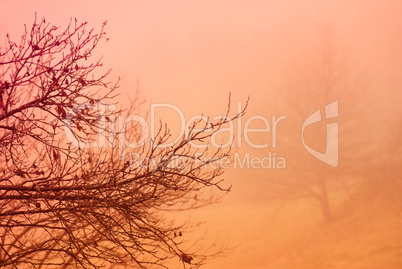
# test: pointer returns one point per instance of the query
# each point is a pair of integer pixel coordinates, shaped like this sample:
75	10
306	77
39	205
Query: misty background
292	58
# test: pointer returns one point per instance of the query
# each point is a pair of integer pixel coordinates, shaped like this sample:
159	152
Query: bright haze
287	208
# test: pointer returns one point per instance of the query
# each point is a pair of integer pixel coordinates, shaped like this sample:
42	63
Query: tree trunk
324	203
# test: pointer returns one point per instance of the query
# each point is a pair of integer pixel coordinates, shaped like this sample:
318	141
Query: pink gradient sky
193	53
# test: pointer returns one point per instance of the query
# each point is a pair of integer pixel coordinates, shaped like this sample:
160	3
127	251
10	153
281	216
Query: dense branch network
63	205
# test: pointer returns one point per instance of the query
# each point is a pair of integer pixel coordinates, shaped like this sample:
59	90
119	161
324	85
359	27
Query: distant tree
65	206
323	78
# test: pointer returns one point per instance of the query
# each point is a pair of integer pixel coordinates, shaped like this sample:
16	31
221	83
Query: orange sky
193	53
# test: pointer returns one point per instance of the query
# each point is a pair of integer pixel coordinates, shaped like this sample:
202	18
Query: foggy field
367	233
201	134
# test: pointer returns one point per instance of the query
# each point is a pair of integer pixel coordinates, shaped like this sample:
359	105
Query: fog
287	208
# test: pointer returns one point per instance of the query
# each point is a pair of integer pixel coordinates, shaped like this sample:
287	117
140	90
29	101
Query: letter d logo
330	156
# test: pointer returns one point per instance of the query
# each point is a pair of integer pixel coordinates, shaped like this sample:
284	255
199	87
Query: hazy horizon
291	58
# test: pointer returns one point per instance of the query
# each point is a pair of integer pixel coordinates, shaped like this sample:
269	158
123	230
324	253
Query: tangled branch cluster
63	206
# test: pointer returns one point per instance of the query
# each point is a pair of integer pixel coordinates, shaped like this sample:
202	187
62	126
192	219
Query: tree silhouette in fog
67	206
324	77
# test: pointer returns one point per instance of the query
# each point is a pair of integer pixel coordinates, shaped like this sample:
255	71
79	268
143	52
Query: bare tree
63	205
323	78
